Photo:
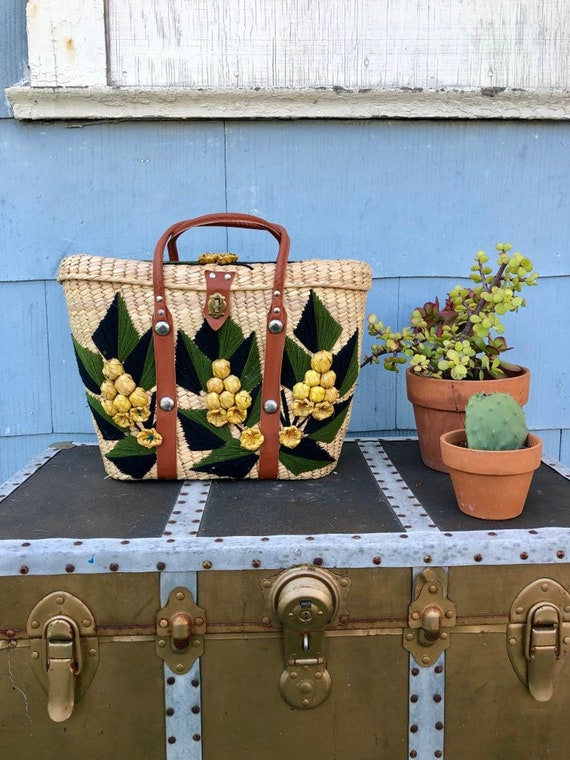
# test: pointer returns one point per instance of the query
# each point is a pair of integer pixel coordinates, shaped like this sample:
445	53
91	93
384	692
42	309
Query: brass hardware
305	600
429	613
180	628
64	650
538	635
217	305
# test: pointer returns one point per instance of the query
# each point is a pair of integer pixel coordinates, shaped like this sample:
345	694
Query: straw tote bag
220	368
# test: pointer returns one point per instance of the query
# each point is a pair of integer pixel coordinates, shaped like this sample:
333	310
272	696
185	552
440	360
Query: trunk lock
538	635
64	650
180	628
305	601
429	615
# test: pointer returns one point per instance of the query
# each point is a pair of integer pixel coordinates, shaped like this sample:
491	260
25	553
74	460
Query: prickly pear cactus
494	422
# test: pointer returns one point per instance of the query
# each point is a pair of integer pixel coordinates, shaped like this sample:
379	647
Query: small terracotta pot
490	485
439	406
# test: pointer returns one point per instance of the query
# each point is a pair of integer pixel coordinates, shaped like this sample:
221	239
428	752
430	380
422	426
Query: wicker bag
218	368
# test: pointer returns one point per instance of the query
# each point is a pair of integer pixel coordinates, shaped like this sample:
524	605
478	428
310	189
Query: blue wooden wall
414	198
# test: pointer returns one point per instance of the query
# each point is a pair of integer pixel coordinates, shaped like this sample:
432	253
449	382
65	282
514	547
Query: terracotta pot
439	406
490	485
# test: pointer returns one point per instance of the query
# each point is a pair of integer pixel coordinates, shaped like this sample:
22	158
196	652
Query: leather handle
164	343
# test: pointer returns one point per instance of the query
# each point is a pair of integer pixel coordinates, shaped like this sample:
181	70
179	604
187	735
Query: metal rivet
35	655
162	328
180	595
161	643
35	623
270	406
277	293
227	277
212	275
159	299
179	668
275	326
161	312
277	310
59	600
166	404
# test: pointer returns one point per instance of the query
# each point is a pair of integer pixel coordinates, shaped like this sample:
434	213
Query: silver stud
270	406
277	310
275	326
276	293
162	328
159	299
166	404
212	275
161	312
227	277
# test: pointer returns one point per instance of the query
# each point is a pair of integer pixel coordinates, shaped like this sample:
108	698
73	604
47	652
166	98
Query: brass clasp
428	615
217	305
64	650
180	628
538	635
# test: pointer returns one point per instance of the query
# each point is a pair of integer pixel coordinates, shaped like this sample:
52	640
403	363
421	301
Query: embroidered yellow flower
212	401
122	419
112	369
331	395
316	394
236	416
321	361
217	417
322	410
301	391
150	439
328	379
221	368
232	383
121	403
290	436
251	439
215	385
109	407
302	407
108	390
139	414
243	400
227	399
312	378
139	397
125	385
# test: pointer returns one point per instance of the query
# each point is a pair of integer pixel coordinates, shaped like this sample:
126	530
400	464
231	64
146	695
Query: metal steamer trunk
360	615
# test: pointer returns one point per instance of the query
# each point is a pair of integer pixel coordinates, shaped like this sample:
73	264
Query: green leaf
317	329
128	447
231	337
193	367
296	361
250	374
199	433
229	461
107	428
128	336
90	367
348	359
297	465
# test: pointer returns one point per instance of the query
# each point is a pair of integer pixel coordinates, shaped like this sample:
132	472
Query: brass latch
428	615
305	600
539	634
180	629
64	650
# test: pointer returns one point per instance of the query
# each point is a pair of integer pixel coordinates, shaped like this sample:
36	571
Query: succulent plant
463	340
494	422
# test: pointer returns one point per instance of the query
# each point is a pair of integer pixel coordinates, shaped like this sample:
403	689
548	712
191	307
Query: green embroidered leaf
245	363
231	337
107	427
306	457
317	329
140	362
128	336
128	447
200	435
131	458
90	367
193	367
296	361
254	411
346	365
229	461
326	430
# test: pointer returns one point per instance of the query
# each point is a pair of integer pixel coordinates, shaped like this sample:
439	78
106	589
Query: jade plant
494	422
463	340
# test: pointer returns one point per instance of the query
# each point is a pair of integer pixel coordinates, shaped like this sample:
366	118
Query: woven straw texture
324	300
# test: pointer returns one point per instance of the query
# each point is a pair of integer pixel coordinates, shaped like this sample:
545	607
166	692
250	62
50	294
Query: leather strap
164	332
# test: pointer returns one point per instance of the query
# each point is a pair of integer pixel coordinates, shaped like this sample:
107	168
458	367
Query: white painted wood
297	59
179	103
66	43
297	44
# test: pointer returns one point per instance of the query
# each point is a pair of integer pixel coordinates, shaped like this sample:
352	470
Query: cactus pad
494	422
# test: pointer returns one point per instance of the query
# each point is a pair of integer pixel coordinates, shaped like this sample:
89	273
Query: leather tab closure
217	306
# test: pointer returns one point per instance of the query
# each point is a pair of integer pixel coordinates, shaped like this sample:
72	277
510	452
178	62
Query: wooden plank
13	54
223	44
66	43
